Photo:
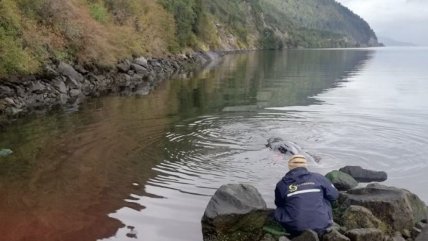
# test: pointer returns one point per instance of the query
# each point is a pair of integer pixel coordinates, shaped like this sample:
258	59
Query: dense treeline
35	32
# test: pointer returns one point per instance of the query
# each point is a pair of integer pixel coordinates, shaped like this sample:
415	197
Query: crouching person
303	199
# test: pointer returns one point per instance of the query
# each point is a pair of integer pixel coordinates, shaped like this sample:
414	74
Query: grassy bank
35	32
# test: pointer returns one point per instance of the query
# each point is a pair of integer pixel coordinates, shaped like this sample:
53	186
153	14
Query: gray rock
37	87
399	209
364	175
234	199
79	68
268	237
124	66
6	91
59	85
406	233
235	212
5	152
63	98
360	217
75	92
20	90
397	237
14	111
307	235
139	69
365	234
73	84
70	72
334	235
342	181
49	72
420	225
283	238
415	232
9	101
423	236
141	61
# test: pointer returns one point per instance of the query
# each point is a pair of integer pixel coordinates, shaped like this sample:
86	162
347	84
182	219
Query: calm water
144	167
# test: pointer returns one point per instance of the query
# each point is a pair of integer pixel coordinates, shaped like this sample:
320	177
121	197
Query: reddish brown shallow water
143	168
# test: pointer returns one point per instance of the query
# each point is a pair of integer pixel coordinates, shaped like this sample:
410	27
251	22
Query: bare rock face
399	209
235	212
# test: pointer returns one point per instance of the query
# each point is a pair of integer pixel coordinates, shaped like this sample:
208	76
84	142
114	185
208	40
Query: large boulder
363	175
399	209
365	234
342	181
235	212
360	217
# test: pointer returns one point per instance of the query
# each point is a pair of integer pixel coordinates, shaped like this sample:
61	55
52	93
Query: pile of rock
348	177
376	212
62	84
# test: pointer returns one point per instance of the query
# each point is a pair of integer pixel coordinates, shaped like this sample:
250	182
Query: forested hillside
34	32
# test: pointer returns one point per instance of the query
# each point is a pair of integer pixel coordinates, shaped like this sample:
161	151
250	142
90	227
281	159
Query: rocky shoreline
237	212
67	85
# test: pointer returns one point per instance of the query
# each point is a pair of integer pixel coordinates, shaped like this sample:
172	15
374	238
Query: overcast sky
402	20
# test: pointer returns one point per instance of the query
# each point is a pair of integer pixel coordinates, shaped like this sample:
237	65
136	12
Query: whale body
288	148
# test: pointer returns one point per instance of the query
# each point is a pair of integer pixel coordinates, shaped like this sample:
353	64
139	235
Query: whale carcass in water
288	148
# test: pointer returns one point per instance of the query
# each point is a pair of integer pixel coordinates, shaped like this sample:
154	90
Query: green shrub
186	13
14	58
98	12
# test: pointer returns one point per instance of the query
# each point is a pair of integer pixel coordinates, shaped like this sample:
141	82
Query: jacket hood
295	174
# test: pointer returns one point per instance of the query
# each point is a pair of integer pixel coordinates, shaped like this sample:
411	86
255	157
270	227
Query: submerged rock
364	175
5	152
399	209
342	181
235	212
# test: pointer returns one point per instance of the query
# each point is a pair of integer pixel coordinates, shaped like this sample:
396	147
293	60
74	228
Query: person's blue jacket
303	201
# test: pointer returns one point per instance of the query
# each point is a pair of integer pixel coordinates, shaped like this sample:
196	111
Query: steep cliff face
102	32
325	15
289	24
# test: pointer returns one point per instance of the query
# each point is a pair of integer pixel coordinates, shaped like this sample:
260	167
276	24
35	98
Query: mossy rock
342	181
360	217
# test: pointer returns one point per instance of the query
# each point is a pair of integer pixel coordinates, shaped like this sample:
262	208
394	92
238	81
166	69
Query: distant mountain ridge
325	15
392	42
102	32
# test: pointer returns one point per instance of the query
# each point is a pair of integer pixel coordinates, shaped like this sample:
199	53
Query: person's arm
330	192
279	198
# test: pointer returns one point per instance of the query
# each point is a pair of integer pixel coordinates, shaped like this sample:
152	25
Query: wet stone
307	235
334	235
363	175
365	234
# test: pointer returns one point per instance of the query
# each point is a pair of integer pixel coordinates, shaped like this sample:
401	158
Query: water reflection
144	167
